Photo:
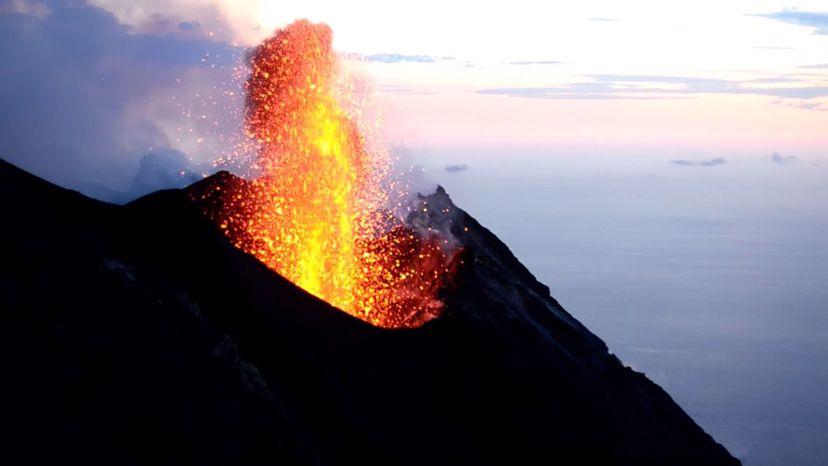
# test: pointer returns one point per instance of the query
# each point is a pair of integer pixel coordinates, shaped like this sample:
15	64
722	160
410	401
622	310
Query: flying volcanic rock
139	335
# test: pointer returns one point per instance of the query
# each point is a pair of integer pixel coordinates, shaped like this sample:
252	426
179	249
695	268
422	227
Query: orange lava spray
318	211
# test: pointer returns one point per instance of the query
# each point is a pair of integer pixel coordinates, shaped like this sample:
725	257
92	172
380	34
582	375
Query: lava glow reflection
317	212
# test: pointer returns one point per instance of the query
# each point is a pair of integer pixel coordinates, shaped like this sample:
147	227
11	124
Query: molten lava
317	212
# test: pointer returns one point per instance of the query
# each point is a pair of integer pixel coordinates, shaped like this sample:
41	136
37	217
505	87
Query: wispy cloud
814	19
783	159
535	62
189	26
818	66
683	83
461	167
612	86
791	92
392	89
770	80
398	58
699	163
814	106
559	93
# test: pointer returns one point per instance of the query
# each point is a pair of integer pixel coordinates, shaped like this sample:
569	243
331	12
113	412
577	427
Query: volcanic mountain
139	334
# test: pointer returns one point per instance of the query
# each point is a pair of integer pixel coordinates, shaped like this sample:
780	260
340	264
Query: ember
318	211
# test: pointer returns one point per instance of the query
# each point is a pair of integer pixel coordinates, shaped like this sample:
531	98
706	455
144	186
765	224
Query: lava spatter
319	210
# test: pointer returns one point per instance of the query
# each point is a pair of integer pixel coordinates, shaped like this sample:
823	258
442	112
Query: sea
709	274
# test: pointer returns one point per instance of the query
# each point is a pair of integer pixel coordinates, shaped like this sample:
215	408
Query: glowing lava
317	213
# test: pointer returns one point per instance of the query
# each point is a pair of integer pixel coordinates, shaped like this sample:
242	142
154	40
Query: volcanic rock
138	334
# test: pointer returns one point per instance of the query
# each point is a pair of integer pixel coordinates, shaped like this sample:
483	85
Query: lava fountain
320	209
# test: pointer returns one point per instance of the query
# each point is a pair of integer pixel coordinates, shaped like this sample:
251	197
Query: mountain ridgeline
139	335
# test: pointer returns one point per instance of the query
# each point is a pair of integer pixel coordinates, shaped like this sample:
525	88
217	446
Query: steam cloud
85	99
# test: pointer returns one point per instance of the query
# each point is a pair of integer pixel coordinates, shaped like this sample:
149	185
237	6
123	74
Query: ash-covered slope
138	335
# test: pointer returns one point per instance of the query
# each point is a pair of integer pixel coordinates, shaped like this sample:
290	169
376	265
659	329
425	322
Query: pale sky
707	78
740	75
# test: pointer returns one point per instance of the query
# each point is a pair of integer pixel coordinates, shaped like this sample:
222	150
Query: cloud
613	86
189	25
691	83
398	58
22	7
162	170
813	106
792	92
557	93
771	80
535	62
783	159
80	92
589	90
166	169
819	66
405	90
193	19
699	163
461	167
814	19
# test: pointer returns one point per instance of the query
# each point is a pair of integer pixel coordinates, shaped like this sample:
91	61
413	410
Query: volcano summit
139	334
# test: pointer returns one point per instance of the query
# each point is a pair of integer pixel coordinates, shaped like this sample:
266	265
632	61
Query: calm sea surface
713	280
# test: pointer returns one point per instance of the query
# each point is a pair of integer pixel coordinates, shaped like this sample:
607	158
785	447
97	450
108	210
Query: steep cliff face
138	334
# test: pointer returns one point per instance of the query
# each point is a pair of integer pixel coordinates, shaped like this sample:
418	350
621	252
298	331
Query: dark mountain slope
138	334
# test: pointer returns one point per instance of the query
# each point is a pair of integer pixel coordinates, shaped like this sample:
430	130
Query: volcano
139	334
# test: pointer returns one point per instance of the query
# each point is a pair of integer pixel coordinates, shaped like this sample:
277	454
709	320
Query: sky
93	86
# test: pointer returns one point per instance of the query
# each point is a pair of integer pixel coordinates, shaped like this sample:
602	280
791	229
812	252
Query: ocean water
712	280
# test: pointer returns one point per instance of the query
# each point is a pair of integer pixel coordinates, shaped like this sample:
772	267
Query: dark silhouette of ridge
138	334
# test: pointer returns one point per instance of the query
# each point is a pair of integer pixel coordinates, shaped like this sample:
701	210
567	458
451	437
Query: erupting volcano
204	325
320	209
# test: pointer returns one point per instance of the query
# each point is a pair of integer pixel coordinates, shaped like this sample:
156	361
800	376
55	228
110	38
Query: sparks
317	211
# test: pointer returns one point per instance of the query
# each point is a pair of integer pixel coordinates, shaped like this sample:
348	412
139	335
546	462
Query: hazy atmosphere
661	166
